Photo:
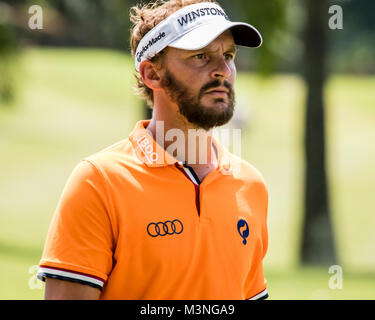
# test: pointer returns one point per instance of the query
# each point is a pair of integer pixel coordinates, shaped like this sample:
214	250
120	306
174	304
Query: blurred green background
67	96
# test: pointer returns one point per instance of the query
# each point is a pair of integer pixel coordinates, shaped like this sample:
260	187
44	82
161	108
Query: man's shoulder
244	170
113	157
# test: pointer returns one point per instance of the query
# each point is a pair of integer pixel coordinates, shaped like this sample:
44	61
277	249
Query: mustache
217	83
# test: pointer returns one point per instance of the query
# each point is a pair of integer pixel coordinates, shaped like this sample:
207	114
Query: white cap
192	28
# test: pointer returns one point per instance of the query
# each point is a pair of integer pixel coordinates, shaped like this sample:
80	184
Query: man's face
201	82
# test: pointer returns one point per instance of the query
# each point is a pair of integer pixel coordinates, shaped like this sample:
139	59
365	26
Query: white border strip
70	275
259	295
192	178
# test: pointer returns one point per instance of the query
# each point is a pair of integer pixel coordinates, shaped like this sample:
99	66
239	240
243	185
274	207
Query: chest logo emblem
165	228
243	230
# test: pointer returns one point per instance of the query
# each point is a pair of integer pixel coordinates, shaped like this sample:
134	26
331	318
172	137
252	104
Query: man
147	218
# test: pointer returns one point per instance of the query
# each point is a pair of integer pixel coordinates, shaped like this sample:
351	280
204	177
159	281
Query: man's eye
200	56
229	56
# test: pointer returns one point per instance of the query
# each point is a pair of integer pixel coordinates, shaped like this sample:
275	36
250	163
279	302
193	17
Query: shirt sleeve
256	282
79	244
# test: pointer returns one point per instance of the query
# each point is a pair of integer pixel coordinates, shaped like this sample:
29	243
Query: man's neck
187	143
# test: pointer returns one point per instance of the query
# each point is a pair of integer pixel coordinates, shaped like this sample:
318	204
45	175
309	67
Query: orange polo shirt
137	224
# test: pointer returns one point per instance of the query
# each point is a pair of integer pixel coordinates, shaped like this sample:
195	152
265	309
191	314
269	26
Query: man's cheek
234	73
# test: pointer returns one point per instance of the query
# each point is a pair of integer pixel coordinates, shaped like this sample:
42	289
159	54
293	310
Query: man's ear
150	75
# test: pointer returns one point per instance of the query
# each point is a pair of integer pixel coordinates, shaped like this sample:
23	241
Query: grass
313	284
74	102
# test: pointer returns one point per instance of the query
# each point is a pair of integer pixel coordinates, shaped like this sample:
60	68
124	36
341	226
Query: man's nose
222	69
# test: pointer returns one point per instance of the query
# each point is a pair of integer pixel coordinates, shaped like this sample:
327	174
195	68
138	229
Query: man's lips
218	92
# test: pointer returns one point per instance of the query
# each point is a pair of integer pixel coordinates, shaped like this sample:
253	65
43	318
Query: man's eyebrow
232	48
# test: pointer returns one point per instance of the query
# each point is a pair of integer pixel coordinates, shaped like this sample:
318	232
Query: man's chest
171	227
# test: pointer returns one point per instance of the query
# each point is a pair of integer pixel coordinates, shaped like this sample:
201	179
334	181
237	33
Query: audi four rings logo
165	228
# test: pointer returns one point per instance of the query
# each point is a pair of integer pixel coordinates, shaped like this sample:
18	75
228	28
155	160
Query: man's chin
208	115
210	120
214	102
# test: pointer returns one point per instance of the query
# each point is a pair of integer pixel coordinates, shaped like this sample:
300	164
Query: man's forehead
225	39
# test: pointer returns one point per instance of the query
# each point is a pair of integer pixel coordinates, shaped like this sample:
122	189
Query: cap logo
191	16
149	45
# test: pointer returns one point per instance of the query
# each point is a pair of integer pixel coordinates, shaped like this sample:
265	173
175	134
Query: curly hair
144	18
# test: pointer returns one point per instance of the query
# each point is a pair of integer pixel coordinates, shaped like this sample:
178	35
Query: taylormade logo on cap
191	28
150	43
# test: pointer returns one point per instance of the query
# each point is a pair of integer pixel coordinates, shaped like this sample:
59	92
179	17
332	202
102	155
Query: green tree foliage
8	50
269	17
353	47
105	23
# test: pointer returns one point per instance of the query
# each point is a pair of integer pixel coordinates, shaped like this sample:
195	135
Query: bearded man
147	218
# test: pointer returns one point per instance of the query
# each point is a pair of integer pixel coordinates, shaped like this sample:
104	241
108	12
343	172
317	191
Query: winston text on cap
191	16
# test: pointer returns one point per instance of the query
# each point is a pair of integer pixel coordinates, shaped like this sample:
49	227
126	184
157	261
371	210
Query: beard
190	106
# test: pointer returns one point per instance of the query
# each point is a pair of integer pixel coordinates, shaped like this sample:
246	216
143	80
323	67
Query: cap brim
243	34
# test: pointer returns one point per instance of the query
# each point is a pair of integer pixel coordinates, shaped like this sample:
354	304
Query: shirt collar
152	154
